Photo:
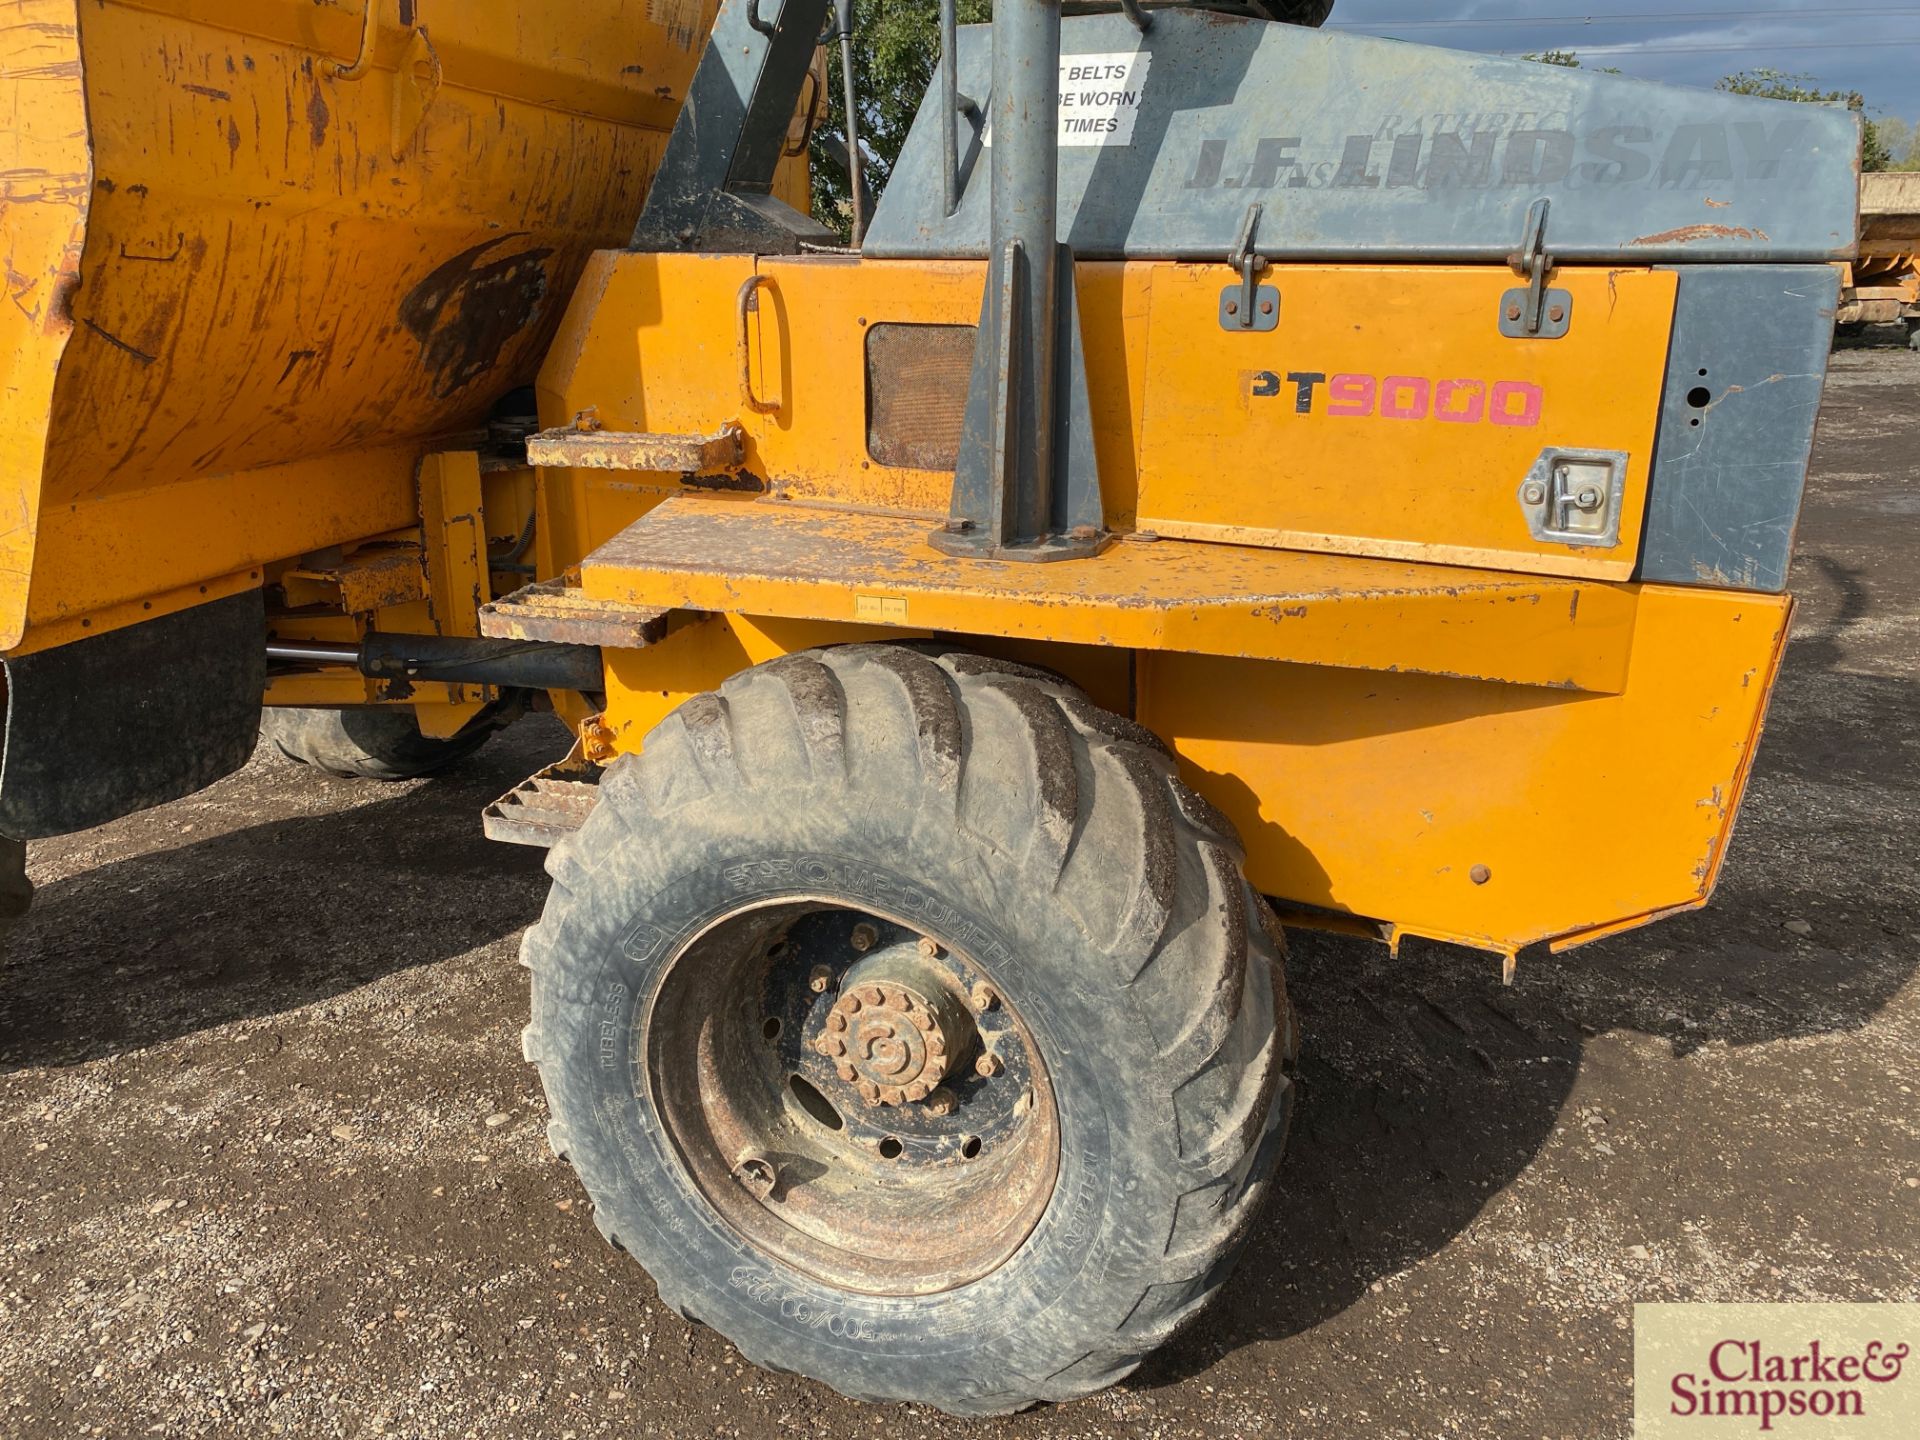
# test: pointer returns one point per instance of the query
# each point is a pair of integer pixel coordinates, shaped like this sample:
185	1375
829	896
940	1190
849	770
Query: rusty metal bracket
587	447
1535	312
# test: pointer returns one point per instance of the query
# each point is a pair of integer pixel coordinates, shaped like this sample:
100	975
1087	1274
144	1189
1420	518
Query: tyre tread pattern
1196	945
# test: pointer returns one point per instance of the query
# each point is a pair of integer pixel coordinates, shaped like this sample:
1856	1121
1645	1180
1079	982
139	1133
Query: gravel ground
272	1164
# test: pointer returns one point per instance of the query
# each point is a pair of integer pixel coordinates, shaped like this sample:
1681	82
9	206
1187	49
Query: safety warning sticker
1100	97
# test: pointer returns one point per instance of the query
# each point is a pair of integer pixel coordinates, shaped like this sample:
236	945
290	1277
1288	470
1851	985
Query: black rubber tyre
376	742
996	809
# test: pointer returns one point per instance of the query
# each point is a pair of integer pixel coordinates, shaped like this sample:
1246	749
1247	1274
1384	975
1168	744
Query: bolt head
985	997
928	948
1557	314
1266	307
864	938
757	1173
836	1045
837	1021
1535	494
942	1101
1513	312
869	1091
988	1066
873	995
845	1071
1480	874
1233	307
820	978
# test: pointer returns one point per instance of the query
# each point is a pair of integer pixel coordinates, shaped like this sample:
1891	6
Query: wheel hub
896	1029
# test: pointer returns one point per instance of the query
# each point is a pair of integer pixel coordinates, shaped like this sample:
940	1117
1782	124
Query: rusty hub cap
852	1096
895	1029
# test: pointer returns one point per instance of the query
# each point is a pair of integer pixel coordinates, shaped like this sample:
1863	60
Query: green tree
1780	85
1901	141
896	46
1569	60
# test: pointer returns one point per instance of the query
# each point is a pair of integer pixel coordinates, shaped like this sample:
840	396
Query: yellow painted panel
653	344
42	223
124	547
1382	795
1387	415
700	652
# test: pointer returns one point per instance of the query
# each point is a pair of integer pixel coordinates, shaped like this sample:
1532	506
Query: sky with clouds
1872	46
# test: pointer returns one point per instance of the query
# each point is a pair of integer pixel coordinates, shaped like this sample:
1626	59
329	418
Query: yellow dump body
261	252
1883	285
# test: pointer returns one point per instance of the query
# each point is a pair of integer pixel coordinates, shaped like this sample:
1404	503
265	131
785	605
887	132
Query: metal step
564	614
578	448
543	810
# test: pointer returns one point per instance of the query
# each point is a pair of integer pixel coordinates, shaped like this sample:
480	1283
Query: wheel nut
984	997
837	1021
988	1066
819	979
942	1102
929	948
845	1071
757	1172
864	937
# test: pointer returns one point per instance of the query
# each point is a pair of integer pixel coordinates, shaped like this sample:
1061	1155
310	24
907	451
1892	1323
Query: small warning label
1100	97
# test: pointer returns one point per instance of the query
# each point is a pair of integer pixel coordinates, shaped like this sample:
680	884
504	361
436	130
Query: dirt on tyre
376	742
907	1018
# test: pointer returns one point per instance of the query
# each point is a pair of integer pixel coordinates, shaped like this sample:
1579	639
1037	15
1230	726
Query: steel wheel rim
851	1096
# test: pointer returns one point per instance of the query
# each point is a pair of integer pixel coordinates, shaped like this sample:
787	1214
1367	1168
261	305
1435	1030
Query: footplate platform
770	558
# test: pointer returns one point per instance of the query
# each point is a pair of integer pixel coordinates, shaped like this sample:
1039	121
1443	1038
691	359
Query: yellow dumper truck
1882	283
1246	474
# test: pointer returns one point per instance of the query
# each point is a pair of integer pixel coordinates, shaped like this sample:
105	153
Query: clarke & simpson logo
1837	1371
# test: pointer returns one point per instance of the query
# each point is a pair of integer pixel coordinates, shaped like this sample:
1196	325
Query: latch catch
1535	312
1574	497
1249	305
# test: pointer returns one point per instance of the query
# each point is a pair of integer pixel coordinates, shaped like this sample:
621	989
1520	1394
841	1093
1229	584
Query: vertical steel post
856	170
1025	178
949	104
1027	485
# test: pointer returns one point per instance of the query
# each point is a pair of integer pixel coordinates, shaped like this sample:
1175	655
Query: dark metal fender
1745	374
131	719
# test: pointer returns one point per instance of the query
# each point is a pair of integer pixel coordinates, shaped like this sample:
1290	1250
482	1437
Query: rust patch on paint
1688	234
317	117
